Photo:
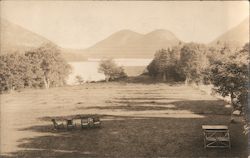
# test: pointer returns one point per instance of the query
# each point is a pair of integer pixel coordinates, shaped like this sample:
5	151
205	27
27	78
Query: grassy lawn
138	120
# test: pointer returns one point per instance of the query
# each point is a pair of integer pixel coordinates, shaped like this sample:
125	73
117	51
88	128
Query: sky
80	24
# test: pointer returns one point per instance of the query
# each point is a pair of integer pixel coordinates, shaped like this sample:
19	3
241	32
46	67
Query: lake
88	70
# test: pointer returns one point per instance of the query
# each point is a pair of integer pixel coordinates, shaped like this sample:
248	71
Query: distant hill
15	38
127	43
121	44
237	36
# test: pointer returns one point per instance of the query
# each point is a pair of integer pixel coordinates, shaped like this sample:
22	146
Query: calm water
88	70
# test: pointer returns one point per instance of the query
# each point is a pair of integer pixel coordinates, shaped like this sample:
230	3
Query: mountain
15	38
237	36
127	43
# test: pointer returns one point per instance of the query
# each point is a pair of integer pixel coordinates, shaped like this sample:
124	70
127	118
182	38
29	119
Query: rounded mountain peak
126	32
161	33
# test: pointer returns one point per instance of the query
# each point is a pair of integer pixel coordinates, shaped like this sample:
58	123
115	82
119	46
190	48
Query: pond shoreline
88	69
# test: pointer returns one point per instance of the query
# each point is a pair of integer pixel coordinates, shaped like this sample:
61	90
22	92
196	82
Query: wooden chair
97	122
91	122
84	123
70	124
216	136
57	125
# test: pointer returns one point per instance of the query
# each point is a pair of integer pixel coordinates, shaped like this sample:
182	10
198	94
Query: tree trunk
164	76
107	77
10	87
234	104
187	81
46	82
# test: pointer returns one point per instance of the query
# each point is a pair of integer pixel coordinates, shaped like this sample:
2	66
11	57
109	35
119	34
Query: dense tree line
224	67
41	67
180	63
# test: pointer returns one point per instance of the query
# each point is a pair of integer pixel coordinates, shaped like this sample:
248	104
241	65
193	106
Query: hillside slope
127	43
237	36
15	38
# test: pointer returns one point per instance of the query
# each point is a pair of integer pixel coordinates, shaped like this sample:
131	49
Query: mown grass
139	120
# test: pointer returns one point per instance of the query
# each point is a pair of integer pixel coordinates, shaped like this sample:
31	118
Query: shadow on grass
146	79
148	98
215	107
131	137
128	108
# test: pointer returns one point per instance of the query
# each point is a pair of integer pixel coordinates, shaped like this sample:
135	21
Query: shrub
111	70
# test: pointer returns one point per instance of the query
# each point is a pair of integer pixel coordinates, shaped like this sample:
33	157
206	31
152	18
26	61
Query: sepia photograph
124	79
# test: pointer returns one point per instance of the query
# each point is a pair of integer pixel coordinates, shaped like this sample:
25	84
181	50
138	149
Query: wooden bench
97	122
216	136
90	122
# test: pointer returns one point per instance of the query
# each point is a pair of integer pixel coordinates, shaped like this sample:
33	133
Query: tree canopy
111	70
164	64
12	68
49	65
230	76
224	67
41	67
193	62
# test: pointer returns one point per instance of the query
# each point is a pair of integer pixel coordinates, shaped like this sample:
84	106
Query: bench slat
221	139
214	127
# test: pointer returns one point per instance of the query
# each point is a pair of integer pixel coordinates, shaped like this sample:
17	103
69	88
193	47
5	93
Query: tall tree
193	61
164	64
163	61
152	68
49	65
230	77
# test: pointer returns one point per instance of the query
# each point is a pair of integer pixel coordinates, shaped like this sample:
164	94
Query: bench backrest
214	127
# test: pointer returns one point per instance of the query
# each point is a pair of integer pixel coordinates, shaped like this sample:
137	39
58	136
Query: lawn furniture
97	122
70	124
57	125
216	136
90	122
84	123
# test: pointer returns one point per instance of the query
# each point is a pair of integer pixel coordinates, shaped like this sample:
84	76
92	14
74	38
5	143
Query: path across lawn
139	120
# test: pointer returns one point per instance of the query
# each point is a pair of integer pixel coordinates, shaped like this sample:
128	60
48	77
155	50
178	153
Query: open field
139	120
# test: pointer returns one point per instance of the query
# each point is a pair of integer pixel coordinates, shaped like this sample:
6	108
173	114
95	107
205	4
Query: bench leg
205	143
